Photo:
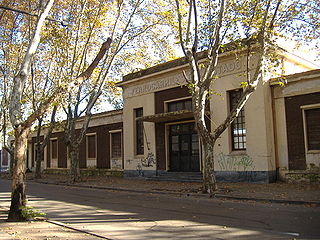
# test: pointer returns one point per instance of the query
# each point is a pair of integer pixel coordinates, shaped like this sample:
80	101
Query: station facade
277	131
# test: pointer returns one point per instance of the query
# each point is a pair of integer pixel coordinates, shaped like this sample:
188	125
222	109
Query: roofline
93	116
182	62
231	48
155	70
102	114
296	77
165	67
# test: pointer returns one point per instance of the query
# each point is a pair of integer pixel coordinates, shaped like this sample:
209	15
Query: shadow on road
123	215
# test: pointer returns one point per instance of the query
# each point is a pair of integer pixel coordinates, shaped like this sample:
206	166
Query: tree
22	127
20	111
210	25
126	23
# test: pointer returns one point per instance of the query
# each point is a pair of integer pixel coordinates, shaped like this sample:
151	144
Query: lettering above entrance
226	68
154	86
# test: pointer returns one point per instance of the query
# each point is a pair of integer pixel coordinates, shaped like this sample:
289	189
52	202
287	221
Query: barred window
139	132
238	129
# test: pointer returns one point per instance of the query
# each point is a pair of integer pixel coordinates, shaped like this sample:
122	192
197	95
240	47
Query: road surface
130	215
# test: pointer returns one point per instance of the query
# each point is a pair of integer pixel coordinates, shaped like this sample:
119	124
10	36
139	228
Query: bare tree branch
87	73
180	28
31	14
21	77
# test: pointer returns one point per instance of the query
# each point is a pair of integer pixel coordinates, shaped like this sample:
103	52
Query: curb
293	202
61	224
216	196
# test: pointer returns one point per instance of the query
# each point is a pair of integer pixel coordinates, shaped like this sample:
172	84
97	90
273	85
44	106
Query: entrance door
184	148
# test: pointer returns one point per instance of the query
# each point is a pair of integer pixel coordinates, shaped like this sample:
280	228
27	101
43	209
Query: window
116	149
54	148
139	132
91	146
312	128
185	104
238	129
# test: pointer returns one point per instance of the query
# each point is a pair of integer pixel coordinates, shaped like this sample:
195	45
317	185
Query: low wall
86	172
300	176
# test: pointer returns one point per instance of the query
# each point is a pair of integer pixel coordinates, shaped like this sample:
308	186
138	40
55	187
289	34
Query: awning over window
166	117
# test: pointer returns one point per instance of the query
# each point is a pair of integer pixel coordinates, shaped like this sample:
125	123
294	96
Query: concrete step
178	177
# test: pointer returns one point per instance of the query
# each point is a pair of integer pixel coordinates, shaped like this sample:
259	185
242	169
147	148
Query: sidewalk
275	192
38	230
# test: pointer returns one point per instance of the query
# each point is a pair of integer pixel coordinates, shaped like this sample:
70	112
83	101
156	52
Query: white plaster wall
131	160
259	154
54	163
116	164
281	133
91	163
313	160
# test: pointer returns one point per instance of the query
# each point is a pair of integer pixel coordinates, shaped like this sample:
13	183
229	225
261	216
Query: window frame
305	108
111	132
87	146
232	125
51	158
166	103
138	133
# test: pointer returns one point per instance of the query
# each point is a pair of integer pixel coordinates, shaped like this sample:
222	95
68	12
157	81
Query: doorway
183	148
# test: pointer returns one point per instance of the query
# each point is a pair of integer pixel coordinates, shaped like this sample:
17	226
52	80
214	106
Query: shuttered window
54	149
91	146
116	149
312	117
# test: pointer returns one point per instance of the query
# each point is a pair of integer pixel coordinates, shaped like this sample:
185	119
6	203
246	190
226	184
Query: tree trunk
11	164
39	159
41	145
75	168
37	173
18	195
209	178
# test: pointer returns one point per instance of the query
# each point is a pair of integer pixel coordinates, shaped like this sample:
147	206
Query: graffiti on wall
149	161
235	163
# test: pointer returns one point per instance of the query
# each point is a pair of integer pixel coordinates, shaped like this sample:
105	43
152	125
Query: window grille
139	132
238	128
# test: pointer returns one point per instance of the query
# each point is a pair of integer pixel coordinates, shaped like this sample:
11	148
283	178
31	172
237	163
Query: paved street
128	215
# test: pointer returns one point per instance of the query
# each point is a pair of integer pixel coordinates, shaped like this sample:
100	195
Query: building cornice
312	74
